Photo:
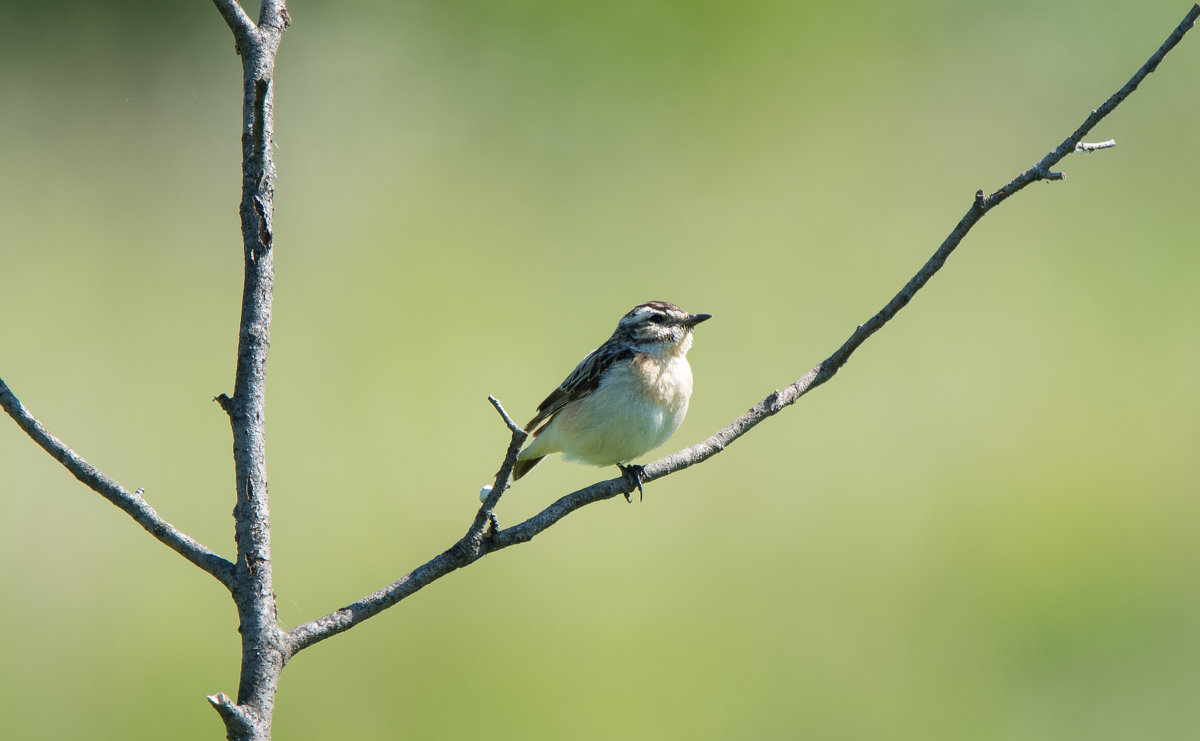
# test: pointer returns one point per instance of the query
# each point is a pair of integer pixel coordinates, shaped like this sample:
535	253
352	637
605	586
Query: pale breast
635	409
667	382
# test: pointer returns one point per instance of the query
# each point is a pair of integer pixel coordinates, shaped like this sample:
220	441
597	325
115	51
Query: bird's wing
582	381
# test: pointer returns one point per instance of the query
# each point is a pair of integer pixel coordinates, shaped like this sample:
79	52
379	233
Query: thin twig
512	426
468	549
131	503
1086	147
486	517
510	459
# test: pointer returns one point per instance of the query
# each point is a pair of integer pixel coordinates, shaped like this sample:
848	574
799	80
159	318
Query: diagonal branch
131	502
240	23
826	369
471	547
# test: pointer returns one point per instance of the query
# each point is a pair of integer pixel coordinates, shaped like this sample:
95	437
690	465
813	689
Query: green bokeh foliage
982	528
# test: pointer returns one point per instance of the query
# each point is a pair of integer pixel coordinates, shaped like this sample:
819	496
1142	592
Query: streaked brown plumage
624	398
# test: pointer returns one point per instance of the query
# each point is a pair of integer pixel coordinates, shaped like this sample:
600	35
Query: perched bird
624	399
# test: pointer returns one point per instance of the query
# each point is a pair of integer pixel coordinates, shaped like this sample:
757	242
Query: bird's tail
522	467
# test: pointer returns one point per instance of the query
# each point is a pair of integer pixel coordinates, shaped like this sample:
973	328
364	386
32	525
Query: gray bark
252	587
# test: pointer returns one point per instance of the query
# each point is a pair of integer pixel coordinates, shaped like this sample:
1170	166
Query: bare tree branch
273	14
1086	147
240	721
252	586
243	28
470	547
492	494
131	503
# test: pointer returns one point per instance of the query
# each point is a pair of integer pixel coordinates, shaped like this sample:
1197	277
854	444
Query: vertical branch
253	590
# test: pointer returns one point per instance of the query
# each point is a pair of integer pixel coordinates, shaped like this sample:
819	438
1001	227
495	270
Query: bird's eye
658	318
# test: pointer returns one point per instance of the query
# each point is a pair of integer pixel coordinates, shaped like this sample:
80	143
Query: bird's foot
633	475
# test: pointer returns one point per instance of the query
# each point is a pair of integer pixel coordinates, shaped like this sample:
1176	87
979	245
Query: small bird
624	399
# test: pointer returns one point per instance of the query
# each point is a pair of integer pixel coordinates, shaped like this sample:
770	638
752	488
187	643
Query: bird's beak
695	319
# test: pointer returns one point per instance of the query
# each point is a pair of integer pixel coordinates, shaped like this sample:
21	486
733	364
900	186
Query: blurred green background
983	528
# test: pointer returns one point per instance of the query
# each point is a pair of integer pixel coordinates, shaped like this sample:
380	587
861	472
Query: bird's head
658	326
